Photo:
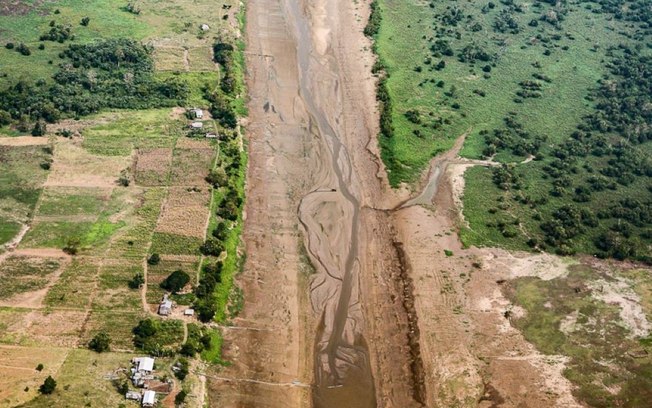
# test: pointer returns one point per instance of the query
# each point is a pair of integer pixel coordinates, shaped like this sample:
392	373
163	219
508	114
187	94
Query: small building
144	365
133	395
211	135
189	312
196	125
205	27
165	308
149	399
196	113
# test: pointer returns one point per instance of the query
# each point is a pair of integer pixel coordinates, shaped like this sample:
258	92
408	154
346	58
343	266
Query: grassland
573	67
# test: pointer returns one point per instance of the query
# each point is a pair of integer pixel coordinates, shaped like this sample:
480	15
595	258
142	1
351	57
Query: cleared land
111	189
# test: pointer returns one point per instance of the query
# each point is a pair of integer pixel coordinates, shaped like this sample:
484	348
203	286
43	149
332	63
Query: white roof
197	125
145	364
149	397
189	312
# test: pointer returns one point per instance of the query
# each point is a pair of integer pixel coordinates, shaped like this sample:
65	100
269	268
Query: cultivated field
84	207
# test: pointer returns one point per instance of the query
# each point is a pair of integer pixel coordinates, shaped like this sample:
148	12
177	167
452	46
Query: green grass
555	114
172	244
21	178
132	130
596	338
61	201
214	353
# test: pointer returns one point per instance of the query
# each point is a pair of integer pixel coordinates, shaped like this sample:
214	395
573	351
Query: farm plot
132	241
72	201
75	285
190	166
113	288
201	59
170	58
185	212
157	273
147	129
21	179
85	379
75	167
152	166
117	323
59	328
22	275
19	379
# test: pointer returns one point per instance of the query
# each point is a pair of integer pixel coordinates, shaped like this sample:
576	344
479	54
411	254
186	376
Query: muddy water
330	216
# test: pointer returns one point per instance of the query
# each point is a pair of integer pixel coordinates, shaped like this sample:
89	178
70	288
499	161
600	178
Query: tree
85	21
217	177
176	281
100	343
39	367
212	247
48	386
154	259
180	398
39	128
137	281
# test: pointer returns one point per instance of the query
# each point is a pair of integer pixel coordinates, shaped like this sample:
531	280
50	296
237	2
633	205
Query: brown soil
23	141
185	212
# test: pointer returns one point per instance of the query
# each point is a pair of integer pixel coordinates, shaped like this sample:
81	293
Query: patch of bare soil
18	7
23	141
470	350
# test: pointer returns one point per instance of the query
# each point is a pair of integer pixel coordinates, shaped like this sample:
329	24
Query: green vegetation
176	281
165	243
48	386
100	343
158	337
21	178
22	274
563	317
556	92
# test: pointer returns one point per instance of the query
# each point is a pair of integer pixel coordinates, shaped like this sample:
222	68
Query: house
165	308
211	135
196	113
144	365
133	395
205	27
149	399
189	312
196	125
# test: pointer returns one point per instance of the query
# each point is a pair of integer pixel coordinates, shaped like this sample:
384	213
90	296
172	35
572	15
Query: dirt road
341	324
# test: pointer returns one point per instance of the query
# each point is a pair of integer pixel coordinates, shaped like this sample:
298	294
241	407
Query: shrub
39	367
48	386
137	281
154	259
100	343
85	21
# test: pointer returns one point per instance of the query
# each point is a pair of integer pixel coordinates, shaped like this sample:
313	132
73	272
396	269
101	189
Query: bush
137	281
176	281
180	398
39	367
154	259
85	21
100	343
212	247
48	386
72	246
39	128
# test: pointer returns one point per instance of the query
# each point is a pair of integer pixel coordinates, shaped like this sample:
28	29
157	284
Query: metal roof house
149	399
196	125
196	113
165	308
189	312
144	364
